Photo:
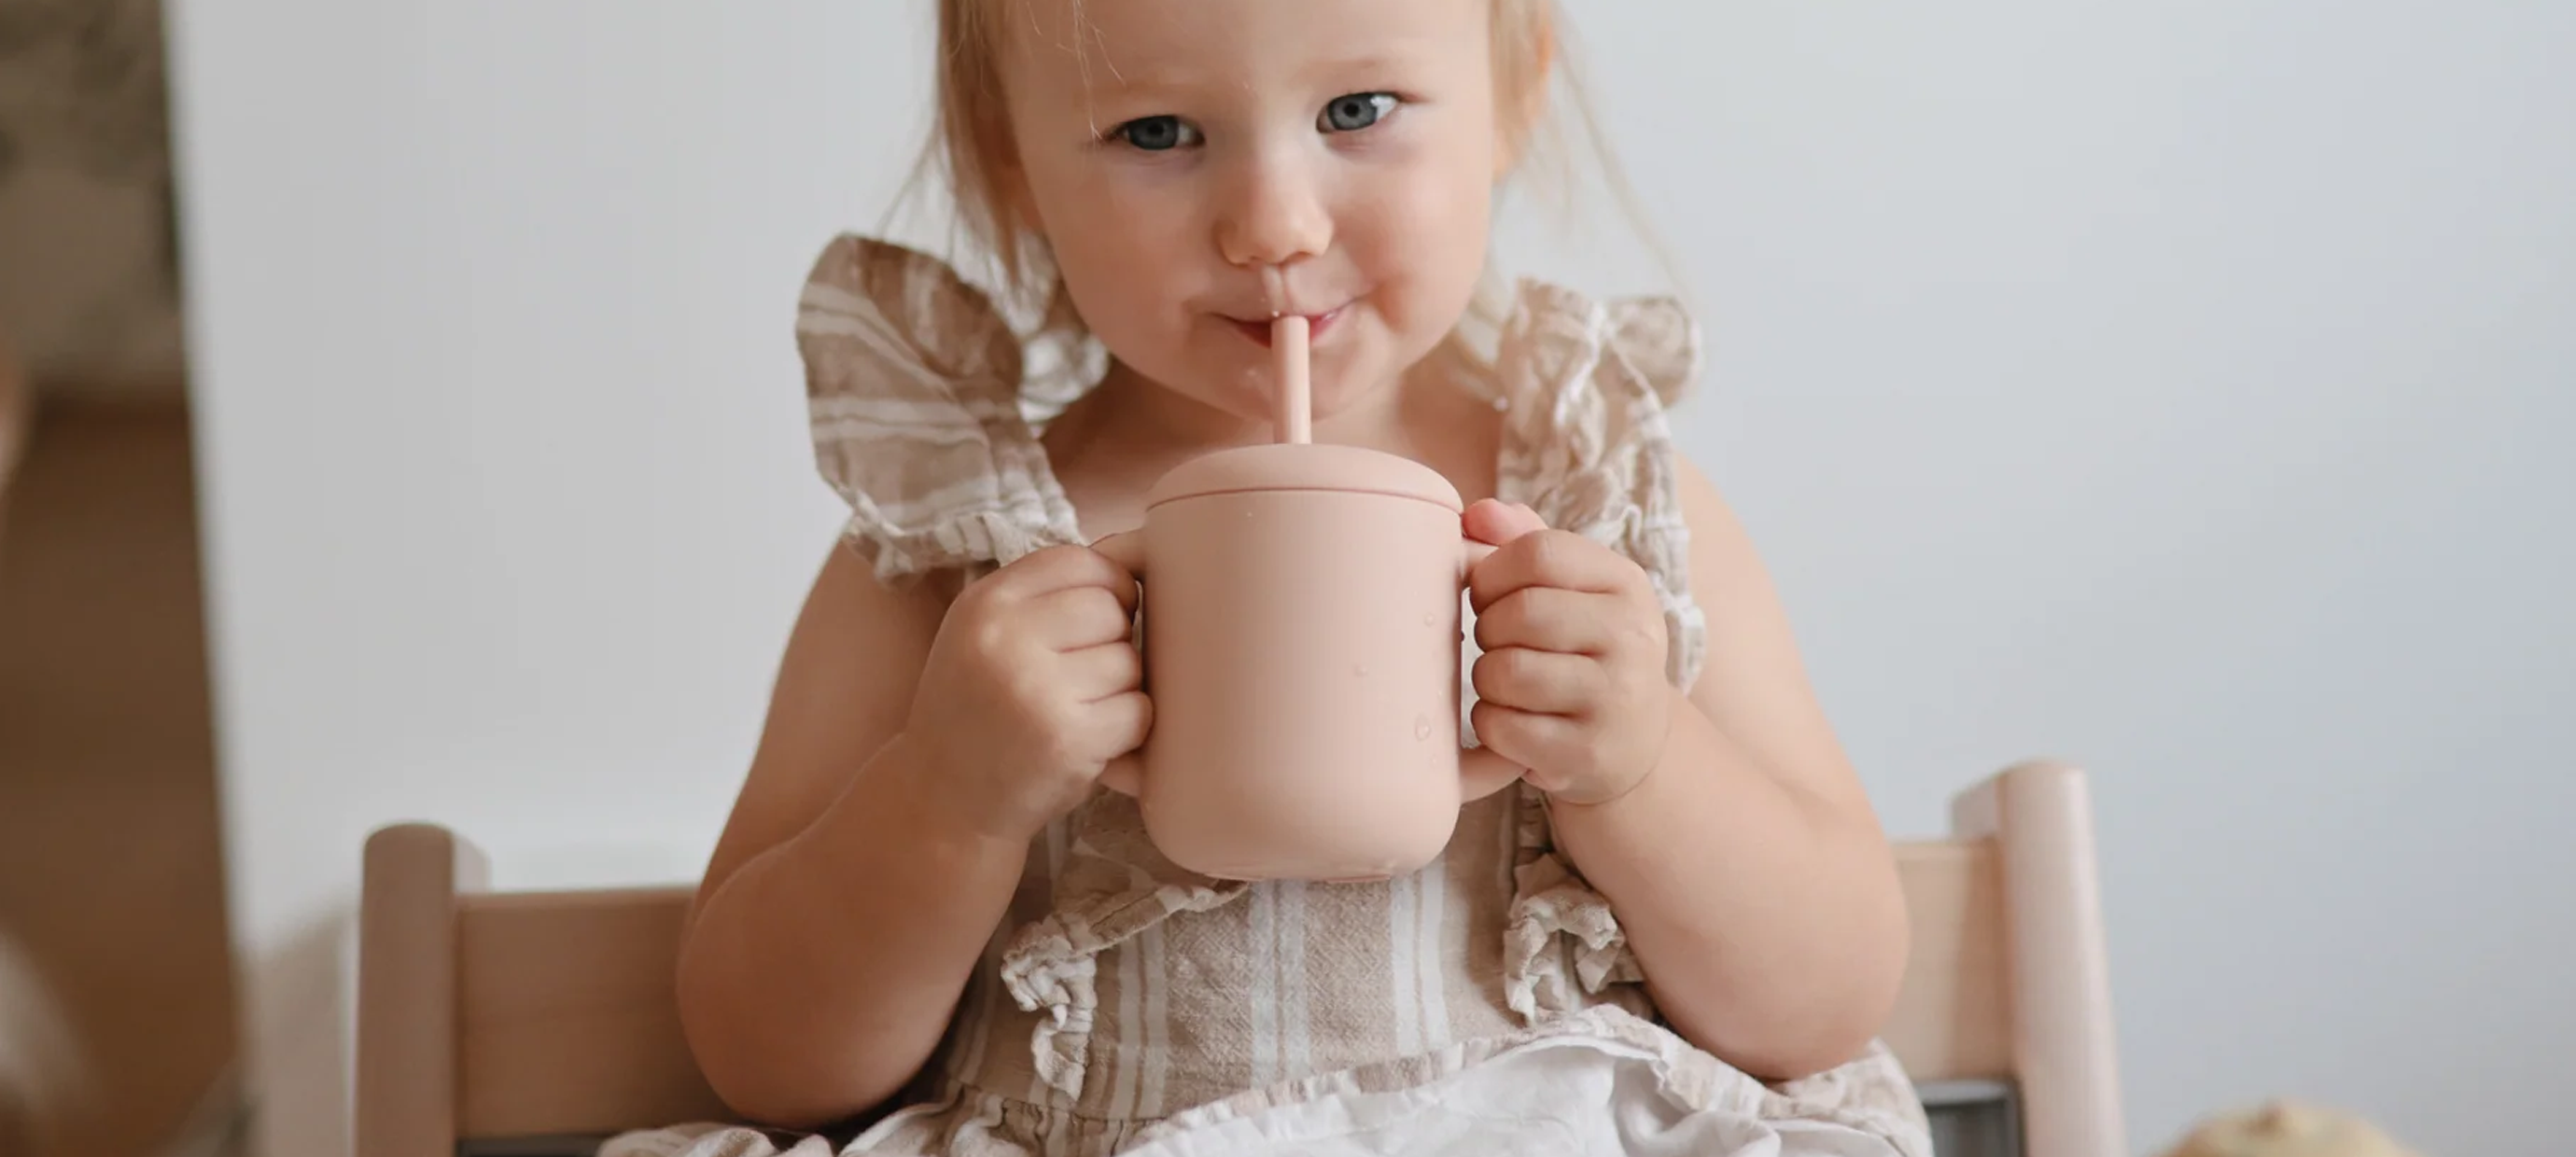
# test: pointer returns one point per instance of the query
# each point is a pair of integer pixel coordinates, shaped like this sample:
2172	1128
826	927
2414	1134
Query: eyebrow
1150	80
1366	62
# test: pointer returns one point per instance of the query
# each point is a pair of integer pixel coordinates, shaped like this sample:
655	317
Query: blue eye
1155	134
1356	111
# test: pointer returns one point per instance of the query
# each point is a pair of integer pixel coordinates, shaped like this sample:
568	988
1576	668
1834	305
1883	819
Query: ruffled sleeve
913	383
1584	385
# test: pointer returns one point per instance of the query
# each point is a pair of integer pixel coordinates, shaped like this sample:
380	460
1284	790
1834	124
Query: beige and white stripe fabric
1124	990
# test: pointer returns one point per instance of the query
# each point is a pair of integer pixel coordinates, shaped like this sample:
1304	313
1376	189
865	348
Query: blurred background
114	951
2185	390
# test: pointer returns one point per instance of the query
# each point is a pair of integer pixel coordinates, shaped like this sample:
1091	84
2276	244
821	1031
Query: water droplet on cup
1430	620
1421	727
1360	670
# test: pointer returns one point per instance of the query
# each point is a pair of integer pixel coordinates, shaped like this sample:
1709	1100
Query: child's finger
1548	558
1495	522
1120	723
1528	738
1101	672
1057	568
1541	682
1543	618
1072	618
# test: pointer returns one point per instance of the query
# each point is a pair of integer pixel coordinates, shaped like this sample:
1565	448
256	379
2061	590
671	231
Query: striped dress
1129	1006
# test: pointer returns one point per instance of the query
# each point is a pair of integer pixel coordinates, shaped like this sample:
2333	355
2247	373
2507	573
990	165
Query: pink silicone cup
1304	709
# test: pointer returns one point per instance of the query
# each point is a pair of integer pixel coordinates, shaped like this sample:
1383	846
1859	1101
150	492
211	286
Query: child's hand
1031	688
1572	676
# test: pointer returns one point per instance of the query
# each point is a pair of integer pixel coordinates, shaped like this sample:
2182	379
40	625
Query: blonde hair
970	146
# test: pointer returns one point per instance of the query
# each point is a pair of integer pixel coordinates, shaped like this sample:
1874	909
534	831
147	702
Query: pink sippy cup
1301	617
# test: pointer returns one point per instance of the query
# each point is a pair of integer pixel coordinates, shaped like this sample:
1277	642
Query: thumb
1496	522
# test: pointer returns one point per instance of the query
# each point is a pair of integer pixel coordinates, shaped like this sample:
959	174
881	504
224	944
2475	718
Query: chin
1333	402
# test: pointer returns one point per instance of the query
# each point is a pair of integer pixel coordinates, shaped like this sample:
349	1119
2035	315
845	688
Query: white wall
2173	387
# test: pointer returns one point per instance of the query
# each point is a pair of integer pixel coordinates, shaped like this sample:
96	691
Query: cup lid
1310	466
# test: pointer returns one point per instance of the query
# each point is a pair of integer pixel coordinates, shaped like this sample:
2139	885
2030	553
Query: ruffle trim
1586	442
1562	944
1114	885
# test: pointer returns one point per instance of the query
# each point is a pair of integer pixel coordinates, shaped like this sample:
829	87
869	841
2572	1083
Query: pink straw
1296	410
1294	420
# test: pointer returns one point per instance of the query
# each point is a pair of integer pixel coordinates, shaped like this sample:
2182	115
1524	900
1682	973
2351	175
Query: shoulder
1555	337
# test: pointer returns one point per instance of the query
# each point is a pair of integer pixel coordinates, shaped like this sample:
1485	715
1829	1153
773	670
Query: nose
1274	212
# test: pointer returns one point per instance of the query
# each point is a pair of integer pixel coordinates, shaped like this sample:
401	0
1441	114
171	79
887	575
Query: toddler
928	930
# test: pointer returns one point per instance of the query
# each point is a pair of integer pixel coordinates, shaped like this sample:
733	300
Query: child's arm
880	834
1746	864
834	930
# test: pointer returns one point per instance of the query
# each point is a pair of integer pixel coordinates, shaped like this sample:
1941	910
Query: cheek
1107	250
1103	275
1426	240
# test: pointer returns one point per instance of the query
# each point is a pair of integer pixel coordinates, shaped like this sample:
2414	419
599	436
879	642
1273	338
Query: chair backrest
486	1016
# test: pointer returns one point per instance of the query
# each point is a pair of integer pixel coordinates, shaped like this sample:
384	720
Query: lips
1316	324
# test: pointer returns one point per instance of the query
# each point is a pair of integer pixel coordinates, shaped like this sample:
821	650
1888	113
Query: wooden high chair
540	1022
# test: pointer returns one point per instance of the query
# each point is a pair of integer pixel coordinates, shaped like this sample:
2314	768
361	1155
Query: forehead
1107	45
